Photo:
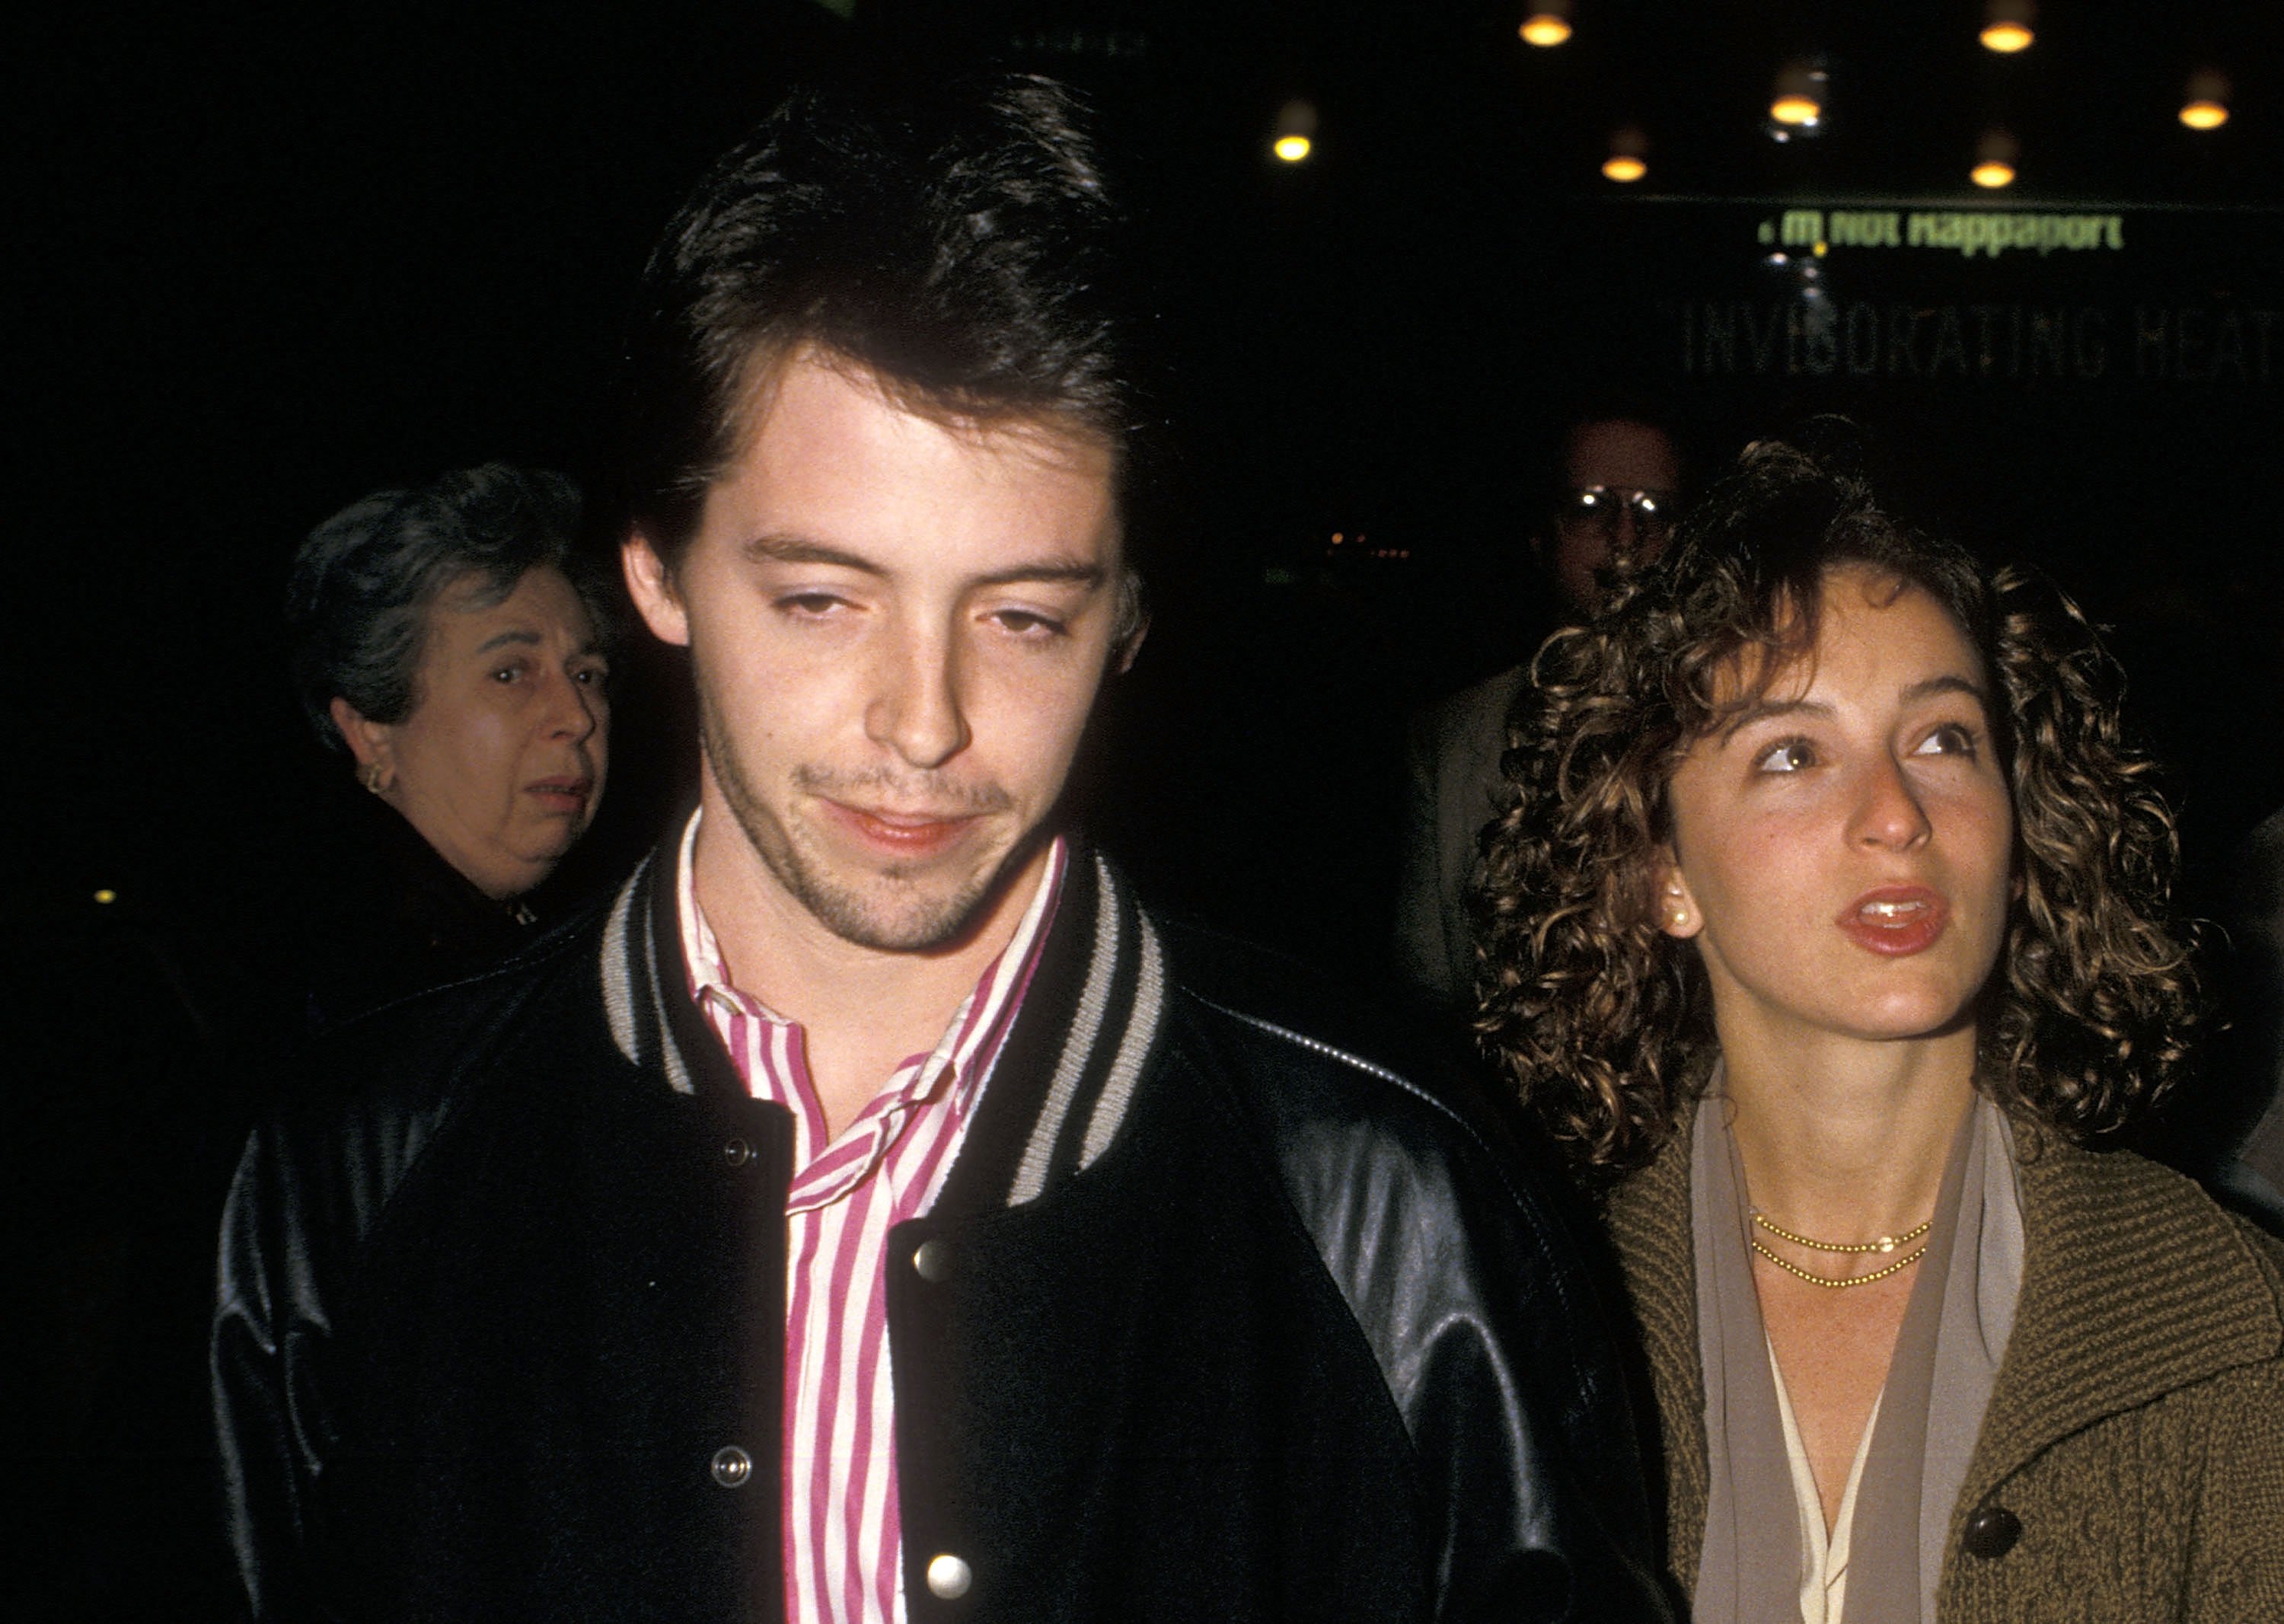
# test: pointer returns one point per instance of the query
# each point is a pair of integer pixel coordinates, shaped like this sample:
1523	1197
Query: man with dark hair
880	1213
1610	504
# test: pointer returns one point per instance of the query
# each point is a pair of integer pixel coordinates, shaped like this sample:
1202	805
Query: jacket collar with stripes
1093	1015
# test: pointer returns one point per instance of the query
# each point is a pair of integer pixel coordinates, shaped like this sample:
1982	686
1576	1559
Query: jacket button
733	1466
932	1261
1992	1533
737	1153
948	1577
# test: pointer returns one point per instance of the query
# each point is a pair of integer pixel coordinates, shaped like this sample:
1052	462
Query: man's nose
916	711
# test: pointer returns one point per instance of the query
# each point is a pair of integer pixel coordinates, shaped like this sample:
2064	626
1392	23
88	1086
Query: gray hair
357	605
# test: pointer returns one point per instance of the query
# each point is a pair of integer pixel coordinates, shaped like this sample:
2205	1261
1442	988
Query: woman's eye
1952	739
1791	755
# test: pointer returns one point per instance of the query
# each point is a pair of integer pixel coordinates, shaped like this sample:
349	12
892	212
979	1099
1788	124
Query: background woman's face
1842	854
500	766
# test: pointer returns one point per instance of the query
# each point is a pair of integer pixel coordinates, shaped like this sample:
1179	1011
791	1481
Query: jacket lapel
1649	1221
1062	1085
2099	1231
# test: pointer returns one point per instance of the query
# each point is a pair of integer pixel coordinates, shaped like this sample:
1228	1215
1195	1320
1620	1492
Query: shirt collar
976	1028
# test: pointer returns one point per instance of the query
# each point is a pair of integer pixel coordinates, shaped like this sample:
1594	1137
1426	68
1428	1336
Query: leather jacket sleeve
301	1204
262	1320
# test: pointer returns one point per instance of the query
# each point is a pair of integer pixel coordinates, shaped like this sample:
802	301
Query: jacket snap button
733	1466
948	1577
1992	1533
737	1153
932	1262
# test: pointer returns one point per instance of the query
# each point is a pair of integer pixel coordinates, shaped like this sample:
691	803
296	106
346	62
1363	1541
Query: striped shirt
843	1542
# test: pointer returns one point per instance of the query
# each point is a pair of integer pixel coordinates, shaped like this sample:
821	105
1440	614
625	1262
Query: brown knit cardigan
2135	1439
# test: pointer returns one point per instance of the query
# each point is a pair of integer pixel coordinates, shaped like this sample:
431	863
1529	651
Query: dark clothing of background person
386	916
2231	1132
1211	1321
1452	768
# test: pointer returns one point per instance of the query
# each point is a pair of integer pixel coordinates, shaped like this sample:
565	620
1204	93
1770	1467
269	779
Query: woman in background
1827	925
447	644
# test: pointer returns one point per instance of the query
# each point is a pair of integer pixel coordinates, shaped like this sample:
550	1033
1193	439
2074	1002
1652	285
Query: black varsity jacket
1213	1319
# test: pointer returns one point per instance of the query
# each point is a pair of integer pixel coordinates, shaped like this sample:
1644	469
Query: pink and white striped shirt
843	1545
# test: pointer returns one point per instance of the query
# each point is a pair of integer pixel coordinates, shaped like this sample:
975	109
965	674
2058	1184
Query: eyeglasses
1596	507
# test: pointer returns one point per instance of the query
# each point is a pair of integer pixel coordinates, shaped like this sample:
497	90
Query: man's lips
1894	920
908	833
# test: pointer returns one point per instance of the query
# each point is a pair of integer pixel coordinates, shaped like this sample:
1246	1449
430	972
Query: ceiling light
1296	131
2006	26
2205	103
1797	101
1994	160
1548	24
1628	150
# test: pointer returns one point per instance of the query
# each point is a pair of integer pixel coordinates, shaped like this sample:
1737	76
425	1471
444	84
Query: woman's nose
575	709
1889	812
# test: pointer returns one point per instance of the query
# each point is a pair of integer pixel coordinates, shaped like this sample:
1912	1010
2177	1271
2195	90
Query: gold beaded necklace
1886	1242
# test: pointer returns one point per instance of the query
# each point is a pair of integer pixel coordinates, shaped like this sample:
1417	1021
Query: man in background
1611	507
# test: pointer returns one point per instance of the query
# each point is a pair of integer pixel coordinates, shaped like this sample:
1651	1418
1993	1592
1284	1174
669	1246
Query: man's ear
1122	659
373	743
651	584
1676	906
1130	622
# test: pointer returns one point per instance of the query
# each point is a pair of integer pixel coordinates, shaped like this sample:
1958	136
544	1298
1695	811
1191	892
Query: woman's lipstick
1896	920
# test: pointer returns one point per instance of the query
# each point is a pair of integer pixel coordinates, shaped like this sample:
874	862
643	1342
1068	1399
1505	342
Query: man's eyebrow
503	638
799	549
1073	570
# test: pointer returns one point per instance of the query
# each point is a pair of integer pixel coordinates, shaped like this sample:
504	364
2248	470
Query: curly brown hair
1604	1023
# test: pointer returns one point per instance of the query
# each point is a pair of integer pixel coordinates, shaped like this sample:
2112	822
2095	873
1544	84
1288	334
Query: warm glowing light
1296	132
1796	110
2006	26
1624	167
106	895
2204	102
1991	173
1548	24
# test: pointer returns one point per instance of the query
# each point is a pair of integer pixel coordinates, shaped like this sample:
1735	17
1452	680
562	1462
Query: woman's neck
1846	1140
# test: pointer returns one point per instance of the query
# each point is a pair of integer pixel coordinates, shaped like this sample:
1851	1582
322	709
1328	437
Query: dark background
266	259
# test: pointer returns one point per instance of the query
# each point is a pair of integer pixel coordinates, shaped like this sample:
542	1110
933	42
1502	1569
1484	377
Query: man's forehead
839	460
807	378
1621	451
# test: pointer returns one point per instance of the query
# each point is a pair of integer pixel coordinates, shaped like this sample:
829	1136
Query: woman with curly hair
1827	925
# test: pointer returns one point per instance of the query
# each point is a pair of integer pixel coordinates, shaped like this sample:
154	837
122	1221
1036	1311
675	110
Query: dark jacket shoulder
1431	1208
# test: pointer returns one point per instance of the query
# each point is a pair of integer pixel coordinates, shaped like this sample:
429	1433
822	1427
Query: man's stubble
918	922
